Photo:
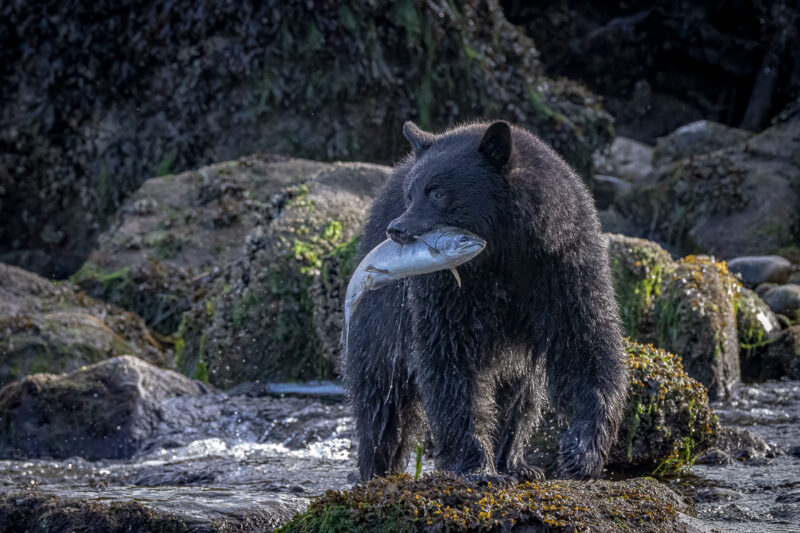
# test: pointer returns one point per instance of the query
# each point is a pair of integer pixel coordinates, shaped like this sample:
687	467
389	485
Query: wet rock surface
50	327
222	461
106	410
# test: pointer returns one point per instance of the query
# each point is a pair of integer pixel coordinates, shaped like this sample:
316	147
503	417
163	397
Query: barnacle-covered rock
274	313
49	327
443	502
242	265
757	327
668	421
696	318
638	267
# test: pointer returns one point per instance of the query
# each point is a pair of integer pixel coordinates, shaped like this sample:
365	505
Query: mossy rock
274	314
668	421
49	327
443	502
696	318
757	327
103	411
638	267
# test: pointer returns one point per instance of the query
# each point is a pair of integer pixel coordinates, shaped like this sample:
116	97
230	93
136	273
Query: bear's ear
419	139
496	143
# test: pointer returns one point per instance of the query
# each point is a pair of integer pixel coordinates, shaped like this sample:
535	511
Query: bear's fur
536	313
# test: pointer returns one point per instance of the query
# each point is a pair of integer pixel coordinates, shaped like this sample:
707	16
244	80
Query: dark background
98	96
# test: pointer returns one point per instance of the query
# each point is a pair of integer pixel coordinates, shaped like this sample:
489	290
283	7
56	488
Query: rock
743	444
626	158
764	288
697	138
755	270
276	313
757	327
118	512
794	451
696	318
242	265
48	327
781	357
737	201
447	503
56	515
103	411
613	222
638	267
784	300
668	420
211	98
607	188
686	307
713	457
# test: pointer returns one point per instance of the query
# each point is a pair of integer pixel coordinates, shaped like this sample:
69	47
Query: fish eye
463	239
438	195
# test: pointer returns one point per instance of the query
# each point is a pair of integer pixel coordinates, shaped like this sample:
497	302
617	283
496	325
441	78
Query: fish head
456	244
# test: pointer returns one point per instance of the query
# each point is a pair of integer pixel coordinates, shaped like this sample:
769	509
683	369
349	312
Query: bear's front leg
460	411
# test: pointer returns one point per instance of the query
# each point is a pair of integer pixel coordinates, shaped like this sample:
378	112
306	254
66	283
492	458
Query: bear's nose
398	233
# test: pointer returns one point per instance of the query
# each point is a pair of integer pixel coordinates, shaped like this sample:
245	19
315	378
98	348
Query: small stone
754	270
784	300
794	451
764	288
714	457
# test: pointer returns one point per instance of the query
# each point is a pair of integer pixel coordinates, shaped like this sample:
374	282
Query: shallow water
238	459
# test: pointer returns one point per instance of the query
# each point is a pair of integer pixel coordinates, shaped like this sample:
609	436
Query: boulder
49	327
740	200
696	318
780	357
442	502
103	411
784	300
626	158
276	313
242	266
697	138
638	267
754	270
757	327
667	421
687	307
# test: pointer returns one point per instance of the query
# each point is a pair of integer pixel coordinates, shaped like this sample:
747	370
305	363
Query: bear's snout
399	232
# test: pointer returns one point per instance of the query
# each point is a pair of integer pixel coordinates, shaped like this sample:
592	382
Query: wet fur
536	318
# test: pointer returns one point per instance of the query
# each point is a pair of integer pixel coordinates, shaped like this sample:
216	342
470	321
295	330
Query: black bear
535	318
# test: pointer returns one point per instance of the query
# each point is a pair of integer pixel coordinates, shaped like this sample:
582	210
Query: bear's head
454	179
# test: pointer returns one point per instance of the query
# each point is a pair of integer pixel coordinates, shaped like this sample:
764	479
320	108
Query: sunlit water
230	459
